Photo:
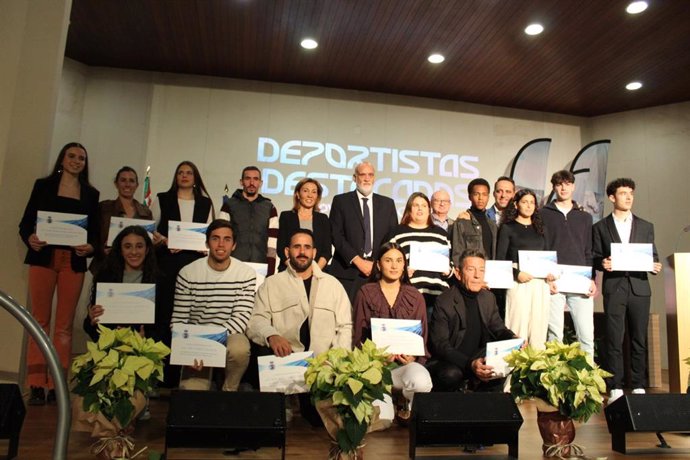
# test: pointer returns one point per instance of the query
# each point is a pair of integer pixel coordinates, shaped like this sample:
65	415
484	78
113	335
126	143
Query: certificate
632	257
187	235
401	336
200	342
498	274
61	229
284	375
497	351
261	272
127	303
117	224
575	279
430	257
539	264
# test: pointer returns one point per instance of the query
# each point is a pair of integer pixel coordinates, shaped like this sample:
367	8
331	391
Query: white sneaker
638	391
614	394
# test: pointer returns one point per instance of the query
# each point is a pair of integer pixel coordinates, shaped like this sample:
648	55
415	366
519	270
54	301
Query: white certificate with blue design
497	351
284	375
187	235
401	336
498	274
117	224
574	279
539	264
205	343
127	303
430	257
61	229
632	257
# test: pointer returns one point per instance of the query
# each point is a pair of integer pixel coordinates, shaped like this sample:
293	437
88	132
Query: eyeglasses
441	201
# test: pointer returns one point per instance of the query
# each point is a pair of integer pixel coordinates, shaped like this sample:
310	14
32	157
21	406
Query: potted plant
343	386
111	380
566	385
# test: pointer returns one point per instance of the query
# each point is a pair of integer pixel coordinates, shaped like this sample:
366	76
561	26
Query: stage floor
304	442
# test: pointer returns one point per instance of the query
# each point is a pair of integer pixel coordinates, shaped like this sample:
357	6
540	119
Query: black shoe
38	397
51	399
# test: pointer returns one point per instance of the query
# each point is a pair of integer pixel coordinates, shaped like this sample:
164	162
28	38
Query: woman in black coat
304	214
51	267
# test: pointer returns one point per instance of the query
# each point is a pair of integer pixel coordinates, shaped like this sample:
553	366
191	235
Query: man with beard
360	221
217	290
301	308
256	220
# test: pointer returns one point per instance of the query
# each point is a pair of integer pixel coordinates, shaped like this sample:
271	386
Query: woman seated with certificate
131	260
389	294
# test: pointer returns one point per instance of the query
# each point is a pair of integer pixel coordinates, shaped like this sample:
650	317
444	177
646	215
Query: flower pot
557	432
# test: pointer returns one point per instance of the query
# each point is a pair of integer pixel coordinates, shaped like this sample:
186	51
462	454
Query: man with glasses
440	205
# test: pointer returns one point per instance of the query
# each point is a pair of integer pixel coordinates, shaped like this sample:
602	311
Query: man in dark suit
626	293
360	220
464	320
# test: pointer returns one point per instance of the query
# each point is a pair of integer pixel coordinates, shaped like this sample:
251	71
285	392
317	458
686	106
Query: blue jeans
581	310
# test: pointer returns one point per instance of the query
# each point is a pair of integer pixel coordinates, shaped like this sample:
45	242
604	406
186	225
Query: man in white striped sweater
218	290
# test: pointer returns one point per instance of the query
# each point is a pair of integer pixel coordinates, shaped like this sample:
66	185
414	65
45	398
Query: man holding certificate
626	292
570	235
300	309
217	290
464	320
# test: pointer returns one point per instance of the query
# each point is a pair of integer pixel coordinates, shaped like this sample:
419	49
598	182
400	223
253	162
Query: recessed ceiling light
633	85
636	7
309	43
436	58
534	29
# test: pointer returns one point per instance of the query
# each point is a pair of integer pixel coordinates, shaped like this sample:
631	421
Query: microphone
685	229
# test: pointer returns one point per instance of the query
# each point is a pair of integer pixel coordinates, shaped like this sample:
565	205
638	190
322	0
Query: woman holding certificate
426	248
131	260
60	229
529	300
304	214
389	294
125	205
186	201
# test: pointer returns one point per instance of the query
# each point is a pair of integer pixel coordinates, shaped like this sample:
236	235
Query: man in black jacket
570	235
464	320
626	293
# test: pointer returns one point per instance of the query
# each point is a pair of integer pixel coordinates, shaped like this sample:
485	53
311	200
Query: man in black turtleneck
464	320
473	229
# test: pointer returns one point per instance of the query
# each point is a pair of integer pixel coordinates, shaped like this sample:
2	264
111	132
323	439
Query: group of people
328	276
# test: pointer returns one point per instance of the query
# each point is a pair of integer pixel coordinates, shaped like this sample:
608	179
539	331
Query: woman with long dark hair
417	228
529	300
389	294
66	189
187	200
132	259
305	214
125	205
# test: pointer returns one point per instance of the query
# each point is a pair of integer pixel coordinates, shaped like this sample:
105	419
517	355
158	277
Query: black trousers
621	306
447	377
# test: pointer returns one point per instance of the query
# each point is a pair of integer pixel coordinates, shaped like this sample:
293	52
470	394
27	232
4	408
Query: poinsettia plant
114	368
563	375
352	381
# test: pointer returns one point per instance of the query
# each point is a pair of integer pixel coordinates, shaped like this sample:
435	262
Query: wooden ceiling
589	50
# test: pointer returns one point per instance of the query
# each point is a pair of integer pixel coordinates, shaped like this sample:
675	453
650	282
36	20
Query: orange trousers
42	284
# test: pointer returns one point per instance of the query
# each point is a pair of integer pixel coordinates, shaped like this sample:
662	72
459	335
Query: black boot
38	397
51	399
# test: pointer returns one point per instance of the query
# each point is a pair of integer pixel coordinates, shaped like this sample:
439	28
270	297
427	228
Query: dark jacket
448	325
170	210
467	234
44	197
257	230
347	230
569	235
604	233
321	228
